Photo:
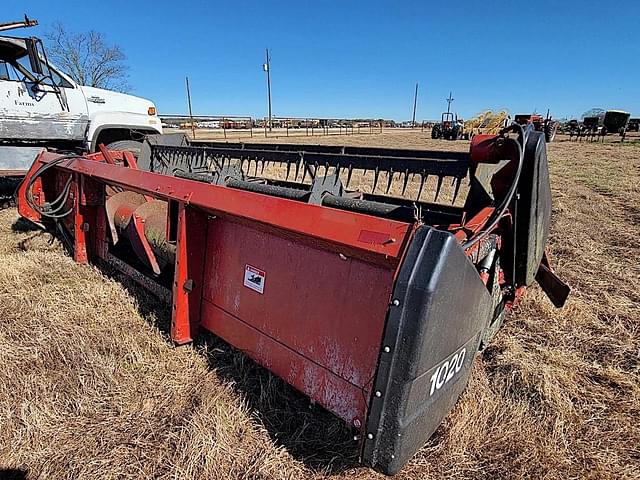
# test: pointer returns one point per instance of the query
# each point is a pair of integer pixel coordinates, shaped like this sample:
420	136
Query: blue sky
362	59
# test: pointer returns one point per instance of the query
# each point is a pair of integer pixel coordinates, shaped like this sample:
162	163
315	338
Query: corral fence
298	126
426	125
209	125
229	126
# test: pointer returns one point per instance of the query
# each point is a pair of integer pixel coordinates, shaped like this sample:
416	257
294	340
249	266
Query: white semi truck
41	106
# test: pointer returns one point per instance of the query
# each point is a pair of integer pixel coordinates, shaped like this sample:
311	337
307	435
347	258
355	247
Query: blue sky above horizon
362	59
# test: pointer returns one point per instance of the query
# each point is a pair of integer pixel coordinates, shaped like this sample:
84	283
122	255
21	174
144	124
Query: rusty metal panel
303	298
344	399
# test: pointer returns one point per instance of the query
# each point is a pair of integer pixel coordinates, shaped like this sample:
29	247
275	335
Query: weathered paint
43	126
307	314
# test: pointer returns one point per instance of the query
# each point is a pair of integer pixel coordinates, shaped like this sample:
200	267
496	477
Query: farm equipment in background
616	121
450	128
633	125
367	278
487	122
570	127
589	128
596	128
540	124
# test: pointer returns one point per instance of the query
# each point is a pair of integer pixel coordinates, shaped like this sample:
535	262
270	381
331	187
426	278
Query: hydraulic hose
512	189
52	209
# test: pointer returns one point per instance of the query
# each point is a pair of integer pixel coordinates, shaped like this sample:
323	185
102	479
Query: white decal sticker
254	278
447	370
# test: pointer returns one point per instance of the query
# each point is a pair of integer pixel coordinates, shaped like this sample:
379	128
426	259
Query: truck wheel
132	146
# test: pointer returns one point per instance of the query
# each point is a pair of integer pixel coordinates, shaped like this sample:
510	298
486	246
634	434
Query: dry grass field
92	388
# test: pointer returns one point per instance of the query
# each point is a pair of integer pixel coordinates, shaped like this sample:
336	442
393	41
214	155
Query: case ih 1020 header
342	270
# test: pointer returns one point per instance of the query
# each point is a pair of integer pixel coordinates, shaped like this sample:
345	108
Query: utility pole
267	68
415	103
449	100
193	128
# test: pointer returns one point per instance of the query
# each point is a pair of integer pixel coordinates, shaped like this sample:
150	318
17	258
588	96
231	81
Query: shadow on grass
310	433
22	225
13	474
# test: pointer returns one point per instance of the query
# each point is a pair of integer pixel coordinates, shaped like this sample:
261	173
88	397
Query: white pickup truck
41	106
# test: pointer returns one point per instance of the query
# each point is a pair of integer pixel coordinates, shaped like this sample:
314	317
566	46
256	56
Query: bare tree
88	58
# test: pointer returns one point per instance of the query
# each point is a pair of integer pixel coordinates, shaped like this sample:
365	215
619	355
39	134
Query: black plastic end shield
439	309
533	216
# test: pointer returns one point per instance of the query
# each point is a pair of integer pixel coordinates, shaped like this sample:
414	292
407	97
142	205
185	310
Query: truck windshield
19	69
23	62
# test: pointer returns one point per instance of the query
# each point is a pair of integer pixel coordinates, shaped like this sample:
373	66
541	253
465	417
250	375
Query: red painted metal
346	400
484	149
140	244
130	160
80	227
191	248
473	225
152	218
107	154
143	223
304	306
323	224
92	201
120	208
305	326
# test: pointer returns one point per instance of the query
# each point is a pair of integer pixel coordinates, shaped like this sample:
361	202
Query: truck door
36	109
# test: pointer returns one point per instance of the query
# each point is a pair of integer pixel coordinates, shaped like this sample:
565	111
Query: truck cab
41	106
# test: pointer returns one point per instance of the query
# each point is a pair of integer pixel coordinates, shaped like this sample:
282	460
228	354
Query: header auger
366	278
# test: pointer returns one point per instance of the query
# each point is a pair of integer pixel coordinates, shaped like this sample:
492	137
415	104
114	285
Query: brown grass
90	386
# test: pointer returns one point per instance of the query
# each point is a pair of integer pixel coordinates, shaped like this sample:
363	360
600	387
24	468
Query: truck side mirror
34	57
